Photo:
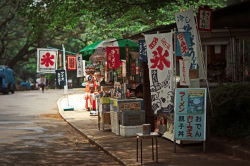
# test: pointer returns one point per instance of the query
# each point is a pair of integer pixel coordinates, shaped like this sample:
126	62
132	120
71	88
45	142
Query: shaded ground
33	133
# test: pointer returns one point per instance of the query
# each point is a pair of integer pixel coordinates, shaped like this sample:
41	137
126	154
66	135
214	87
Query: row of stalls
168	70
224	56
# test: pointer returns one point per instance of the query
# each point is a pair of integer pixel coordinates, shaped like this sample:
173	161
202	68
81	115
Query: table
153	136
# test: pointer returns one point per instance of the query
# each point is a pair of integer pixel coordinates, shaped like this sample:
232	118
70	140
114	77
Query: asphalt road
33	133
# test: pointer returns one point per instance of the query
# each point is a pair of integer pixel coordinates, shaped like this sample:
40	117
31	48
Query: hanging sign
183	44
184	71
83	68
160	63
60	78
71	62
205	19
79	65
46	60
142	51
113	57
60	59
190	114
185	23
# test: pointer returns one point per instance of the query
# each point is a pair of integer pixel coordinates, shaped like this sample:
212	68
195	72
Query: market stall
119	76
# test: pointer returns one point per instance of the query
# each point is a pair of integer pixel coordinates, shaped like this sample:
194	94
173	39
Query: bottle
128	94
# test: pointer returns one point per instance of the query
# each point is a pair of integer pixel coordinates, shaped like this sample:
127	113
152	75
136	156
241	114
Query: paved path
33	133
124	148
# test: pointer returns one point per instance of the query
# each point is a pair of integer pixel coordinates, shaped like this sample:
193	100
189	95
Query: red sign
205	19
71	62
113	57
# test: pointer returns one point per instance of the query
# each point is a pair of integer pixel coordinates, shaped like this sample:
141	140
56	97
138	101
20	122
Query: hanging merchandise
46	60
113	57
71	60
160	63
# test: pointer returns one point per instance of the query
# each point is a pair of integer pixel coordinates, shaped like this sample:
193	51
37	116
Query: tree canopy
31	24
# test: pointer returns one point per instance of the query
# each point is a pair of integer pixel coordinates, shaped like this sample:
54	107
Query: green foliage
27	25
232	111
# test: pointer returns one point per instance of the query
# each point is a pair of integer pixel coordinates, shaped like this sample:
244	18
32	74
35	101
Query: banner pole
64	67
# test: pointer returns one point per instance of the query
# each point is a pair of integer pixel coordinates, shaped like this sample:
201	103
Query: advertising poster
160	63
190	114
46	60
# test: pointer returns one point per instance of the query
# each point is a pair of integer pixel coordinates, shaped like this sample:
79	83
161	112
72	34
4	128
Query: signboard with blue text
190	114
60	78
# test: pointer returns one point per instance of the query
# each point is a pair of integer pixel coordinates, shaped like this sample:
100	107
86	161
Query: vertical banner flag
60	78
160	63
83	68
185	23
183	44
60	59
184	71
113	57
79	65
205	19
46	60
142	51
190	114
71	62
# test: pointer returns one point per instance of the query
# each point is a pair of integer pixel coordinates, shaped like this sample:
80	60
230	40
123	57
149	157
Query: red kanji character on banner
47	59
160	60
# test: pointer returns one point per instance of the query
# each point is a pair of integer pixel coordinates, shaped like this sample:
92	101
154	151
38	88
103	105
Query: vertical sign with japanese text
113	57
71	62
190	114
205	19
186	23
184	71
79	65
142	51
46	60
160	63
60	78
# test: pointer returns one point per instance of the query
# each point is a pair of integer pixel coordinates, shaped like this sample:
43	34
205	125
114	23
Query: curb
91	141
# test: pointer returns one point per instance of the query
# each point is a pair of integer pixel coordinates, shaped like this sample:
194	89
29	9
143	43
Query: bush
232	111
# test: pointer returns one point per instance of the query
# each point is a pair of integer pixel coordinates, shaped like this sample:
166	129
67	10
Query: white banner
186	23
79	65
46	60
184	71
83	68
160	63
